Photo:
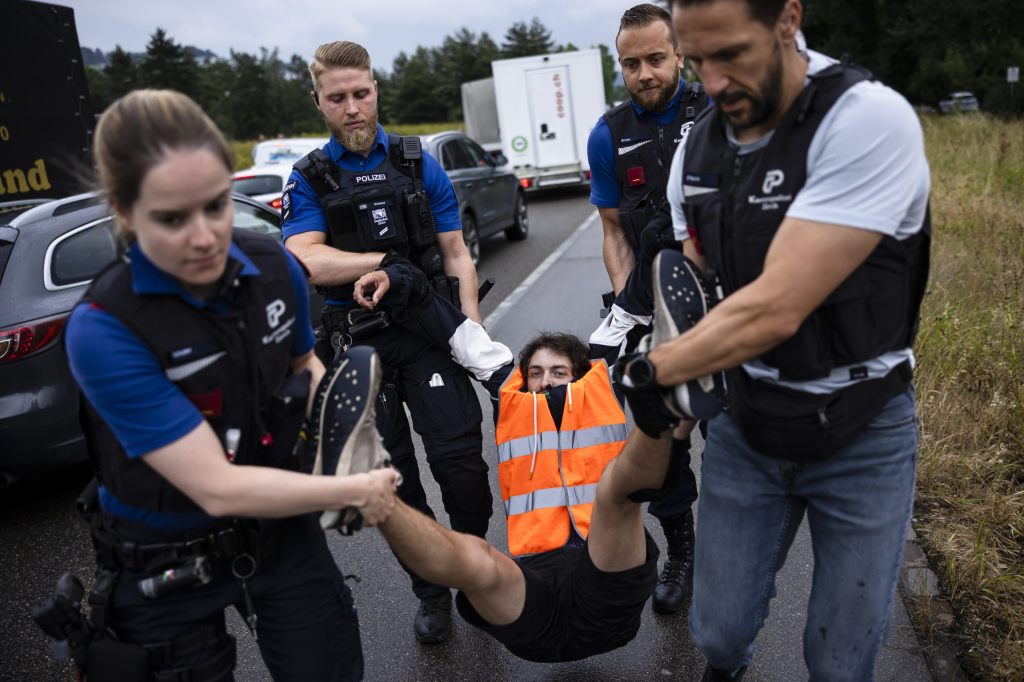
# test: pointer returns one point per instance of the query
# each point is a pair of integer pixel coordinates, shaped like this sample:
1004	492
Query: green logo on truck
519	144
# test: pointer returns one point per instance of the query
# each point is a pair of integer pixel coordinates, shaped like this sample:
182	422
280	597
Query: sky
384	27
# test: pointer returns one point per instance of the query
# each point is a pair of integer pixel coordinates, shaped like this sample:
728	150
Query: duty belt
347	325
221	542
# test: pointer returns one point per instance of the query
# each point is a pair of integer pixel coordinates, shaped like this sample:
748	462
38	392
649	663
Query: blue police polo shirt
126	384
302	213
604	186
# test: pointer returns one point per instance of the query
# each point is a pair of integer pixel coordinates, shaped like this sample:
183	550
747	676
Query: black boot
675	584
433	619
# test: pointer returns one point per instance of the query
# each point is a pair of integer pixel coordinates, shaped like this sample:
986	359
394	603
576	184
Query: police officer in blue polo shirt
630	151
195	355
366	198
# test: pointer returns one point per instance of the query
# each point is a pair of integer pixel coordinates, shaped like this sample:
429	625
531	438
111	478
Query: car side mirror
499	159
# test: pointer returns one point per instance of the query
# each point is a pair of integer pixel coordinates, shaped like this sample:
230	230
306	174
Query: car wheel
521	227
471	235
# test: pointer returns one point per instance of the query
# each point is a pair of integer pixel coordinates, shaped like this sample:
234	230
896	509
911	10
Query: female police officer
184	350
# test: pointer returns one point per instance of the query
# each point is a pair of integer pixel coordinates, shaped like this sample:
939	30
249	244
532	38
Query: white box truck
547	106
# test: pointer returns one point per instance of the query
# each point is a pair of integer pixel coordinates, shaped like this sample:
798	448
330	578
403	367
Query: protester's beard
655	99
356	140
763	104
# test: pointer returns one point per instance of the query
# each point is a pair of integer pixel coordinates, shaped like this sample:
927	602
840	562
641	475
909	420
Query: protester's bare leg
491	581
616	541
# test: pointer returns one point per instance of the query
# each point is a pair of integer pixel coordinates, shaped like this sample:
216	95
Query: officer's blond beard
359	140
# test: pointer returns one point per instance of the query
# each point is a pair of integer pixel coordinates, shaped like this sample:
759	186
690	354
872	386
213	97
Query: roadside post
1012	76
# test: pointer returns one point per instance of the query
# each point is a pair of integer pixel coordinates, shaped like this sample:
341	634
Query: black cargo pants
307	625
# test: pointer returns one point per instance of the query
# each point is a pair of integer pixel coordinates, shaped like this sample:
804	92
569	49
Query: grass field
970	382
243	148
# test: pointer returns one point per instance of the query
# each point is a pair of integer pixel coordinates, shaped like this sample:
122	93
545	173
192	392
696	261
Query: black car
49	252
490	198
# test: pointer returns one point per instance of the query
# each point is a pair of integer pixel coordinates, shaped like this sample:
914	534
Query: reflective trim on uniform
551	497
182	372
566	440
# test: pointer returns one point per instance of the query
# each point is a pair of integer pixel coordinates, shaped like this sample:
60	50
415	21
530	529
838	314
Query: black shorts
573	610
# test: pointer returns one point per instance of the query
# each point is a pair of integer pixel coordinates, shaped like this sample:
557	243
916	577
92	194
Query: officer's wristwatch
641	373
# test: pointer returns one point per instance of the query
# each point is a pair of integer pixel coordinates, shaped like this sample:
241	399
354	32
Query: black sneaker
433	619
344	436
681	300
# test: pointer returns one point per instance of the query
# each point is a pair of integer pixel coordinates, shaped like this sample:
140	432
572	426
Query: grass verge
970	381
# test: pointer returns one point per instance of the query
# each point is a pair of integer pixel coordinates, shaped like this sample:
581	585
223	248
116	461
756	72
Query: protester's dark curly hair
562	344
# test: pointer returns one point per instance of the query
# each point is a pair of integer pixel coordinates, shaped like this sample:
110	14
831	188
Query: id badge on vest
379	215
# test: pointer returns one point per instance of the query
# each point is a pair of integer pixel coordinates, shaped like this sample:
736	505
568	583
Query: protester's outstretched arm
491	581
616	541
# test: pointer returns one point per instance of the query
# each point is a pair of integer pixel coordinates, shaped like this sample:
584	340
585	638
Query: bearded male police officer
368	197
806	193
630	150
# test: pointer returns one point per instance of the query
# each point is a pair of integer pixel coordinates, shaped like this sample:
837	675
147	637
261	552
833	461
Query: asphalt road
42	538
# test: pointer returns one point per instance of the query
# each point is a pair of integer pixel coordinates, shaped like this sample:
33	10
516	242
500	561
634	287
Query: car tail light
526	183
30	338
586	174
276	203
243	177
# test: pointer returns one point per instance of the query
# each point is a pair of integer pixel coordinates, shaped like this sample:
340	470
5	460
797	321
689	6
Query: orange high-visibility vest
548	477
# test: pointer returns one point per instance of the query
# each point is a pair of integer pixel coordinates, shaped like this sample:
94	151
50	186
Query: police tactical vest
381	209
643	157
737	203
230	366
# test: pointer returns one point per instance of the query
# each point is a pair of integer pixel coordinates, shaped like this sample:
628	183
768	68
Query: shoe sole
363	436
683	282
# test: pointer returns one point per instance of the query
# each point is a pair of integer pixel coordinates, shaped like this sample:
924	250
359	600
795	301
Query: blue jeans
858	504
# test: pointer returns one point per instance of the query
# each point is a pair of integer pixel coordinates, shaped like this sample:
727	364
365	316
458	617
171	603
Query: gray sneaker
681	300
344	434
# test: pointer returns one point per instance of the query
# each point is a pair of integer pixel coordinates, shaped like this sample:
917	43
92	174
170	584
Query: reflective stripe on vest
551	497
566	440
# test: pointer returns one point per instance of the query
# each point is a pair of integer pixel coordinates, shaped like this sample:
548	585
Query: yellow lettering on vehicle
18	181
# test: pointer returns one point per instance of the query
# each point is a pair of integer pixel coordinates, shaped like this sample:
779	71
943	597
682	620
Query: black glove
658	235
634	374
409	284
392	257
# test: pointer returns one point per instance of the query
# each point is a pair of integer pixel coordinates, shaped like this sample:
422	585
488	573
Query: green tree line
251	95
927	48
923	48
